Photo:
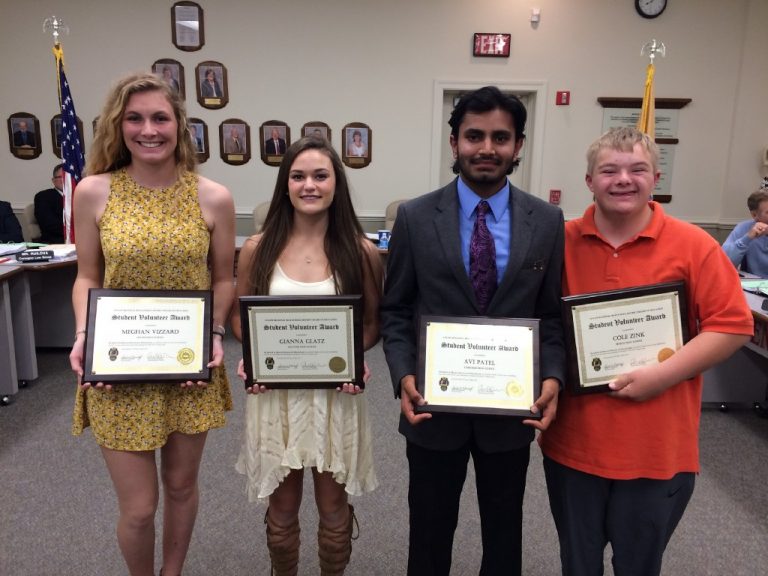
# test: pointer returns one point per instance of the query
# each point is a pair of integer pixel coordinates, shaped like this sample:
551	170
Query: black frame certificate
148	336
302	341
479	365
613	332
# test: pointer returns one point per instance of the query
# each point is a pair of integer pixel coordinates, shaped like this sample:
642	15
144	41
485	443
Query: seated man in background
747	244
49	209
10	229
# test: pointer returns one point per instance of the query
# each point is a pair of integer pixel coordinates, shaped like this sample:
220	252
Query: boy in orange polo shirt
620	466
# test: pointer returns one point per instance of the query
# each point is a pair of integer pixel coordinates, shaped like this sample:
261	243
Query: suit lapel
523	228
446	224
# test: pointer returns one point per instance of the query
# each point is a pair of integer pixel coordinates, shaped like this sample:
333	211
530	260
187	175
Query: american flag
71	146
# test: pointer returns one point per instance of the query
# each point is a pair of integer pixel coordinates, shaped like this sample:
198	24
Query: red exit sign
492	44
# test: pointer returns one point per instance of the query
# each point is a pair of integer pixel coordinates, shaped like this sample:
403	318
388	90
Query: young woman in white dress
312	244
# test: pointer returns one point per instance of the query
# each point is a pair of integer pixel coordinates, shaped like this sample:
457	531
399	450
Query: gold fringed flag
71	145
647	121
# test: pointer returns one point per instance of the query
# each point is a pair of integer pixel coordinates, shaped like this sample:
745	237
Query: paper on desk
754	284
12	248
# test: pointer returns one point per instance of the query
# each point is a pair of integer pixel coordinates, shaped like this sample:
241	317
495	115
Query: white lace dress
294	429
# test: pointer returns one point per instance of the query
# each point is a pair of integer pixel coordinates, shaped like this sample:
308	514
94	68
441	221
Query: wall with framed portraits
265	73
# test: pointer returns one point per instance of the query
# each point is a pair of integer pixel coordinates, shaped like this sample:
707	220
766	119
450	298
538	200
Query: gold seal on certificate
664	354
479	365
337	364
514	389
185	356
614	332
302	342
148	336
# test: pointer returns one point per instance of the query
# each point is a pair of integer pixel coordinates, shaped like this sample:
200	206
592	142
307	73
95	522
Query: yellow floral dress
153	239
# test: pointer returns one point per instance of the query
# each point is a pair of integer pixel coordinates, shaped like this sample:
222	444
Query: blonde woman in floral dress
145	220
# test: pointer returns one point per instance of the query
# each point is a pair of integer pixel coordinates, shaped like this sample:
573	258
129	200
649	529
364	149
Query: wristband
219	330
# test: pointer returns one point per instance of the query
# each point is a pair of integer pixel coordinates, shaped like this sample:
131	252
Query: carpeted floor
58	510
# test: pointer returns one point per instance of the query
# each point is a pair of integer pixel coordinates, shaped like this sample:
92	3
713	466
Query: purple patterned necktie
482	259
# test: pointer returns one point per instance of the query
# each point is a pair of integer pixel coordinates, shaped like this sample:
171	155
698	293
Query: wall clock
650	8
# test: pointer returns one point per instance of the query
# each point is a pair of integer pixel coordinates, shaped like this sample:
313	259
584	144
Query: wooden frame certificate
148	336
479	365
302	342
614	332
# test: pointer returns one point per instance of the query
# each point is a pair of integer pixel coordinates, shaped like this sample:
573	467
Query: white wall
376	62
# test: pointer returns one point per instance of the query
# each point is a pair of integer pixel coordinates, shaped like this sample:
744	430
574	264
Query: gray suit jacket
426	275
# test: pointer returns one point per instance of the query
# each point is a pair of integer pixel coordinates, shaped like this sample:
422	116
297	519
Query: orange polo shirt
624	439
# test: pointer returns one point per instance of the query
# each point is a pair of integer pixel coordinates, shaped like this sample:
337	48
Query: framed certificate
610	333
302	341
148	336
479	365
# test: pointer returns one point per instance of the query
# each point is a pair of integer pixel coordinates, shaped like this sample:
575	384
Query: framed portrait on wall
211	80
24	135
198	132
187	26
356	145
172	72
275	137
316	129
56	134
235	141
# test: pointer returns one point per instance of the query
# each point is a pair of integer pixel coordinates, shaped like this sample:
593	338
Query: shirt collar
652	230
468	199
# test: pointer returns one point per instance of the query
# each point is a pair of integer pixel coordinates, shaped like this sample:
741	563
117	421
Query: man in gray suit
435	268
234	144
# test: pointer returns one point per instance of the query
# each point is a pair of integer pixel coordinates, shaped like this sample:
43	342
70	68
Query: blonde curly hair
109	152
